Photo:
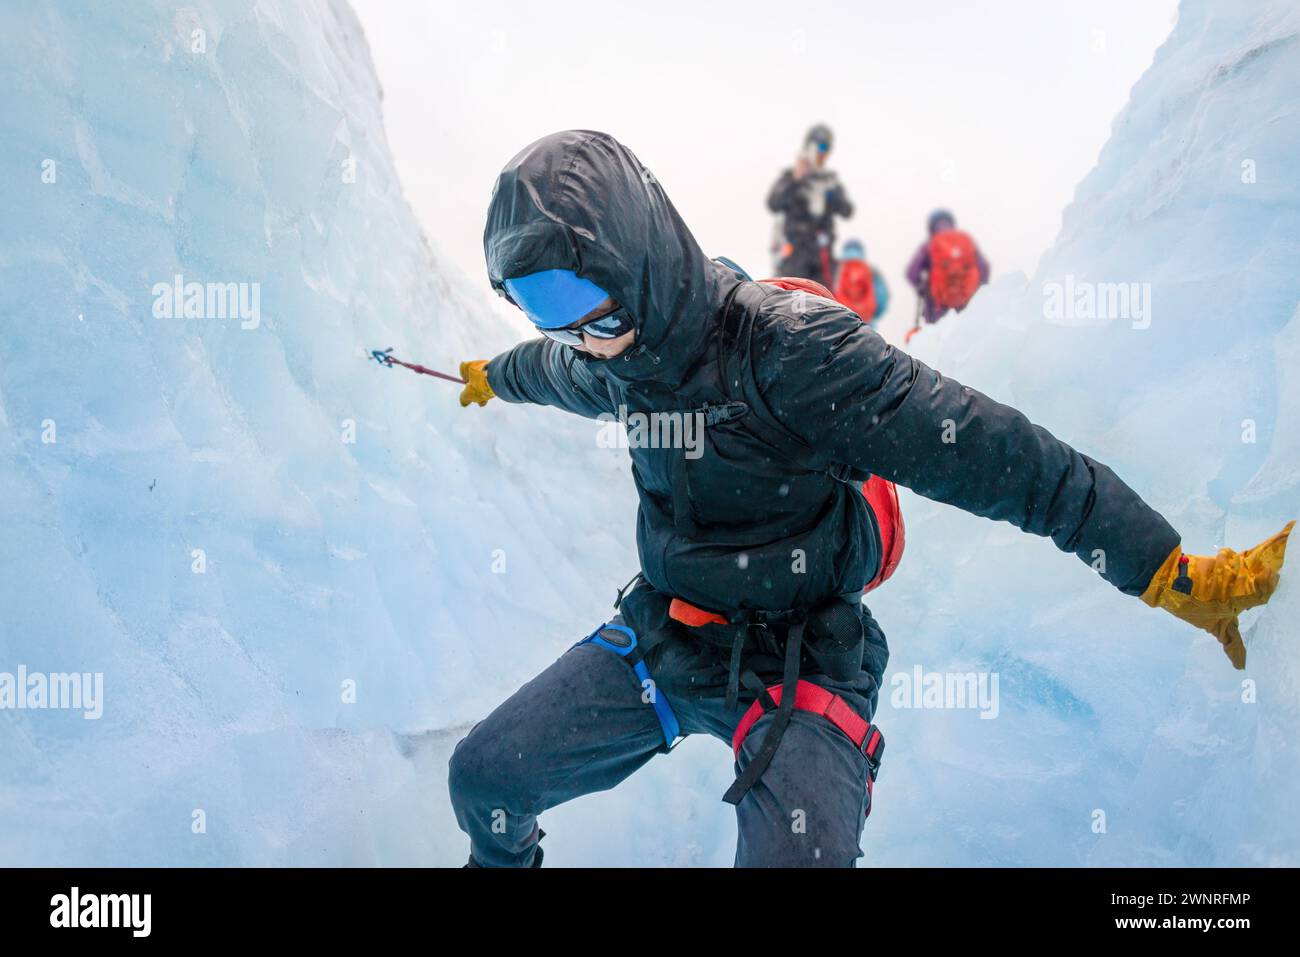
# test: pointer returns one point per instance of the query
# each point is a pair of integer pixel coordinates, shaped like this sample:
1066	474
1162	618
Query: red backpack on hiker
856	288
881	494
954	269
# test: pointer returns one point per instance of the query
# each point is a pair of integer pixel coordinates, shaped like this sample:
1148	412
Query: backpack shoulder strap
739	384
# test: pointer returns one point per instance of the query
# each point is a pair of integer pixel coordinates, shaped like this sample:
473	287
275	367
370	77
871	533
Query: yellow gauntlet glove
476	388
1211	592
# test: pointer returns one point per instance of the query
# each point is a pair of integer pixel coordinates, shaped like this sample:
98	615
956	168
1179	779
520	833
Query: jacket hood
581	200
940	216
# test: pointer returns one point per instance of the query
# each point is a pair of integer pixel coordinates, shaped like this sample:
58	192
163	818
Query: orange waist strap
694	616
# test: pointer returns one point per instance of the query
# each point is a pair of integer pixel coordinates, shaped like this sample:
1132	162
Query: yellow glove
1211	592
476	387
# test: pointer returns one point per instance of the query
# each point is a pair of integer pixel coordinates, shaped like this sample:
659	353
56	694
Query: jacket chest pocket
736	483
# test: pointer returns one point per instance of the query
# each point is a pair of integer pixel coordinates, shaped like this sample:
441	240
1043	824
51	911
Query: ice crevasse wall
1123	736
303	576
284	560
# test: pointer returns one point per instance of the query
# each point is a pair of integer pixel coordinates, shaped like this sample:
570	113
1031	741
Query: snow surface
446	555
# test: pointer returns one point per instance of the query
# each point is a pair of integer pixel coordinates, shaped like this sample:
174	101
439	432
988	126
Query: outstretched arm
857	400
544	372
853	397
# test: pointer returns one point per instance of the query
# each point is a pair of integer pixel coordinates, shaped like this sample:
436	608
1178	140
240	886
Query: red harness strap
807	696
814	698
865	736
810	697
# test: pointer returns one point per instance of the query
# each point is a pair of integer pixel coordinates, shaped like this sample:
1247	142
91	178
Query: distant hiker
859	285
947	269
806	199
745	621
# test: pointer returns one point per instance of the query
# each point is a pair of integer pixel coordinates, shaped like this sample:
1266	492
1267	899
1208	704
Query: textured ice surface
447	554
1106	705
426	562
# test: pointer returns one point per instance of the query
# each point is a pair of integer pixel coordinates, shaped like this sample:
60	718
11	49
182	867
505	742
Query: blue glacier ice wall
434	562
1123	736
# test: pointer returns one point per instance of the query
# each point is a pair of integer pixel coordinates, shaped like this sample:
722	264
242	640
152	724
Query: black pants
582	726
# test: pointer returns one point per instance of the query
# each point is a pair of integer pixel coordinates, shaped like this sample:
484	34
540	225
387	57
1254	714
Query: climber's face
552	298
603	348
818	151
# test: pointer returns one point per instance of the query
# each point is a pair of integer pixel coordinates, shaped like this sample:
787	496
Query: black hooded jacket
746	525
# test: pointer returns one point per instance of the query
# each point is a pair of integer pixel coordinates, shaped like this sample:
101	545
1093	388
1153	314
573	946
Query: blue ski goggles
606	327
555	299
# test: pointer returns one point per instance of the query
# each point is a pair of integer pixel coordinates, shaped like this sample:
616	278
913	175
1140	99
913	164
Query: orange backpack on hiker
855	287
954	270
881	494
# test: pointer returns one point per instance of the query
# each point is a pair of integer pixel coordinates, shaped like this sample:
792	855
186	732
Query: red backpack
856	289
881	494
954	270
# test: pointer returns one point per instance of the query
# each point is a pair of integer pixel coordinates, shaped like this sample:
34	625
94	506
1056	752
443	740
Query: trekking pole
386	358
916	321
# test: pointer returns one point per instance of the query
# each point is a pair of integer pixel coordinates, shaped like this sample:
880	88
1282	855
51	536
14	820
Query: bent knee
471	768
487	766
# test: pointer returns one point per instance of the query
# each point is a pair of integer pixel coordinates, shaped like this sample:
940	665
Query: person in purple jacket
956	246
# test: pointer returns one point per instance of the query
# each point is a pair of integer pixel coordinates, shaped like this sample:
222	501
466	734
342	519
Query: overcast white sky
995	110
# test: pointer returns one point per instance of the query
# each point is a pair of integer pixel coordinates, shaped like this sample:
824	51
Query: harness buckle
873	747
